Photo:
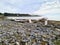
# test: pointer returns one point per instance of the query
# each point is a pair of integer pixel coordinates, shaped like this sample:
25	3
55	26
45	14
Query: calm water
53	17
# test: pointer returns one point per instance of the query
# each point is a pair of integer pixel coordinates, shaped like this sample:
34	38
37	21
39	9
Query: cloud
7	6
49	8
30	6
19	6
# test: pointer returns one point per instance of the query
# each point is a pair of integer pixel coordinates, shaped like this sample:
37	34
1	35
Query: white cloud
19	6
11	6
22	6
51	10
49	7
4	7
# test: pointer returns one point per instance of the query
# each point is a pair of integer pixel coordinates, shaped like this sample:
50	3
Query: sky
38	7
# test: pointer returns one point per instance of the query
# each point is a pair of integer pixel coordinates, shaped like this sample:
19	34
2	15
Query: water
53	17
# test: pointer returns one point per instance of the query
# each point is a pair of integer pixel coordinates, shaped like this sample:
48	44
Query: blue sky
40	7
19	6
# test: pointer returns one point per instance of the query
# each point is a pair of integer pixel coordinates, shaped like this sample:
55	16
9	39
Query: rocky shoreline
16	33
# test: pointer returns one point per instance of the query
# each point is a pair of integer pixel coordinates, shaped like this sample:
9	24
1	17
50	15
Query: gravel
12	32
